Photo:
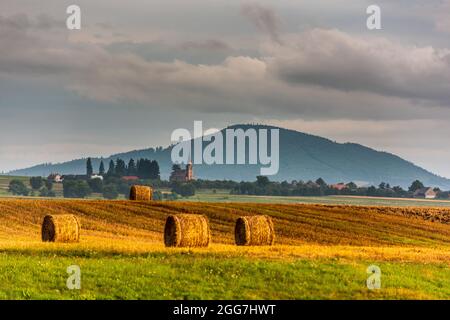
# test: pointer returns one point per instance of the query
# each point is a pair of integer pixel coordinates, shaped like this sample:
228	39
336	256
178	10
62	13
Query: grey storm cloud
264	18
139	63
334	59
317	73
210	44
22	21
33	46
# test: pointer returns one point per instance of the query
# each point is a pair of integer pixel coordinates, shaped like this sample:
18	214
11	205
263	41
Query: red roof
130	178
339	186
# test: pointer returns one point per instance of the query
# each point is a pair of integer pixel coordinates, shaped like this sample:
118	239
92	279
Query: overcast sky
139	69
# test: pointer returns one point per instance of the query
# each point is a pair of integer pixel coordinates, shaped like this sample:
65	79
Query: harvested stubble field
320	252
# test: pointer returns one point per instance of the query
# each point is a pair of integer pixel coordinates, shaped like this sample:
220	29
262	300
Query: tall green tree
89	169
416	185
154	170
131	169
143	168
101	168
121	169
351	185
262	181
321	182
112	168
148	169
36	182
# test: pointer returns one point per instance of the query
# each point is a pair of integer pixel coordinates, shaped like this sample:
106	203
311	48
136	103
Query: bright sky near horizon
137	70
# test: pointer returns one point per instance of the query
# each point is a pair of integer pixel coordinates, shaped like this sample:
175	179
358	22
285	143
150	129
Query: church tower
189	172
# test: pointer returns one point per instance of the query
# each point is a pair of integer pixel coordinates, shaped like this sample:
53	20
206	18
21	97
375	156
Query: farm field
4	183
5	180
208	196
321	252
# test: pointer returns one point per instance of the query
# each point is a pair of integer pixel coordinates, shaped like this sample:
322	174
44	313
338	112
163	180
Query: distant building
130	178
338	186
427	193
180	175
97	176
55	177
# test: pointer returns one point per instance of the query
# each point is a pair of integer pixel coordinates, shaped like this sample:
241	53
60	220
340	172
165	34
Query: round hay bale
254	231
141	193
61	228
187	230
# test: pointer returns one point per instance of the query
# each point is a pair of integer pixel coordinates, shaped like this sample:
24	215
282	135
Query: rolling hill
302	157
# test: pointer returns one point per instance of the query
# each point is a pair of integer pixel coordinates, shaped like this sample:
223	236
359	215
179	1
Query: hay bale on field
141	193
254	231
61	228
187	230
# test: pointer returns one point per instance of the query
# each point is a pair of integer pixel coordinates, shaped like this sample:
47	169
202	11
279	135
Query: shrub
157	195
44	192
48	184
96	185
110	191
36	182
17	187
184	189
76	189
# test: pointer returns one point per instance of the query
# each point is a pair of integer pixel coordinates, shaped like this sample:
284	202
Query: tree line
111	185
263	186
39	186
142	168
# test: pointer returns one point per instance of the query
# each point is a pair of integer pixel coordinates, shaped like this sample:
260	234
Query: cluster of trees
263	186
73	188
110	187
158	195
18	187
184	189
39	186
142	168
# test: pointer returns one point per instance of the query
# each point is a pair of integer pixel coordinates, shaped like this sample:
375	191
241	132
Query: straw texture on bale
254	231
61	228
141	193
187	230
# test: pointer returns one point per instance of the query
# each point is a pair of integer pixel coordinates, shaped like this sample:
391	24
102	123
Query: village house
55	177
339	186
180	175
427	193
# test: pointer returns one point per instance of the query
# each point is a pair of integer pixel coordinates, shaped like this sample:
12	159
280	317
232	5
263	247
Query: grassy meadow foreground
321	252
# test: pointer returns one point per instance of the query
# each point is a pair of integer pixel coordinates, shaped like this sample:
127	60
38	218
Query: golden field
302	230
320	252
